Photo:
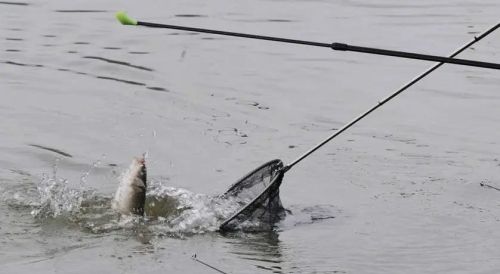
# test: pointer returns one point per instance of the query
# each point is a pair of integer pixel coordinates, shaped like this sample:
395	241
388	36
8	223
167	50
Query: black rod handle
334	46
410	55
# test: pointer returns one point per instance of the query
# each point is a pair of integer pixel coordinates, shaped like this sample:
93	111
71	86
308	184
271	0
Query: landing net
257	194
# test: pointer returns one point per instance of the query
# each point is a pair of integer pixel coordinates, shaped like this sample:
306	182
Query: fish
130	196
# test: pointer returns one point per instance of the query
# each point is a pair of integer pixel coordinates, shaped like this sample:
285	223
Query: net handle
390	97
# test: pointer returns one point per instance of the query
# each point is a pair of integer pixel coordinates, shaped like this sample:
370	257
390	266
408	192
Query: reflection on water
262	250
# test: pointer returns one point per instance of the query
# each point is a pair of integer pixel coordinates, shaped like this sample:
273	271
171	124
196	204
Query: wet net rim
277	177
249	174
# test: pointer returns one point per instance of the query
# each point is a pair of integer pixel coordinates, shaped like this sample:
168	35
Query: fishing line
207	265
489	186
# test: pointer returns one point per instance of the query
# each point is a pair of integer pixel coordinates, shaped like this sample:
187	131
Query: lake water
398	193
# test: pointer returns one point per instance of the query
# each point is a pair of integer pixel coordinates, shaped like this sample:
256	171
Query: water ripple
190	15
55	150
121	80
22	64
80	11
14	3
117	62
125	81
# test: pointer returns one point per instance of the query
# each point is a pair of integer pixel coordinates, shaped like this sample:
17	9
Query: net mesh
257	195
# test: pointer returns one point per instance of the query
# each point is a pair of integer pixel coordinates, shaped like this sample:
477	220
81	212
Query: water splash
178	210
83	178
169	210
56	197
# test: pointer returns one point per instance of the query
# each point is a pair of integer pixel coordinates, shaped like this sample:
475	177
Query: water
397	193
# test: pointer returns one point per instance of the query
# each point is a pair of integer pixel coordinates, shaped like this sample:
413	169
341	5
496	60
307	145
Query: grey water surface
398	193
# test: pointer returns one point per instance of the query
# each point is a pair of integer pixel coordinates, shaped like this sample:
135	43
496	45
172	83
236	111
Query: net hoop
274	184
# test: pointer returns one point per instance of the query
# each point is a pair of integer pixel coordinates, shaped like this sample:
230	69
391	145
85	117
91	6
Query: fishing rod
126	20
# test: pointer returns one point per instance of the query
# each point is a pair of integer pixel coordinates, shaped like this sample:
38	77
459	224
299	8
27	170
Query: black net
257	195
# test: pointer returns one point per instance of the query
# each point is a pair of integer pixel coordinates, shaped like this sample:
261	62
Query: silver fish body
131	193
